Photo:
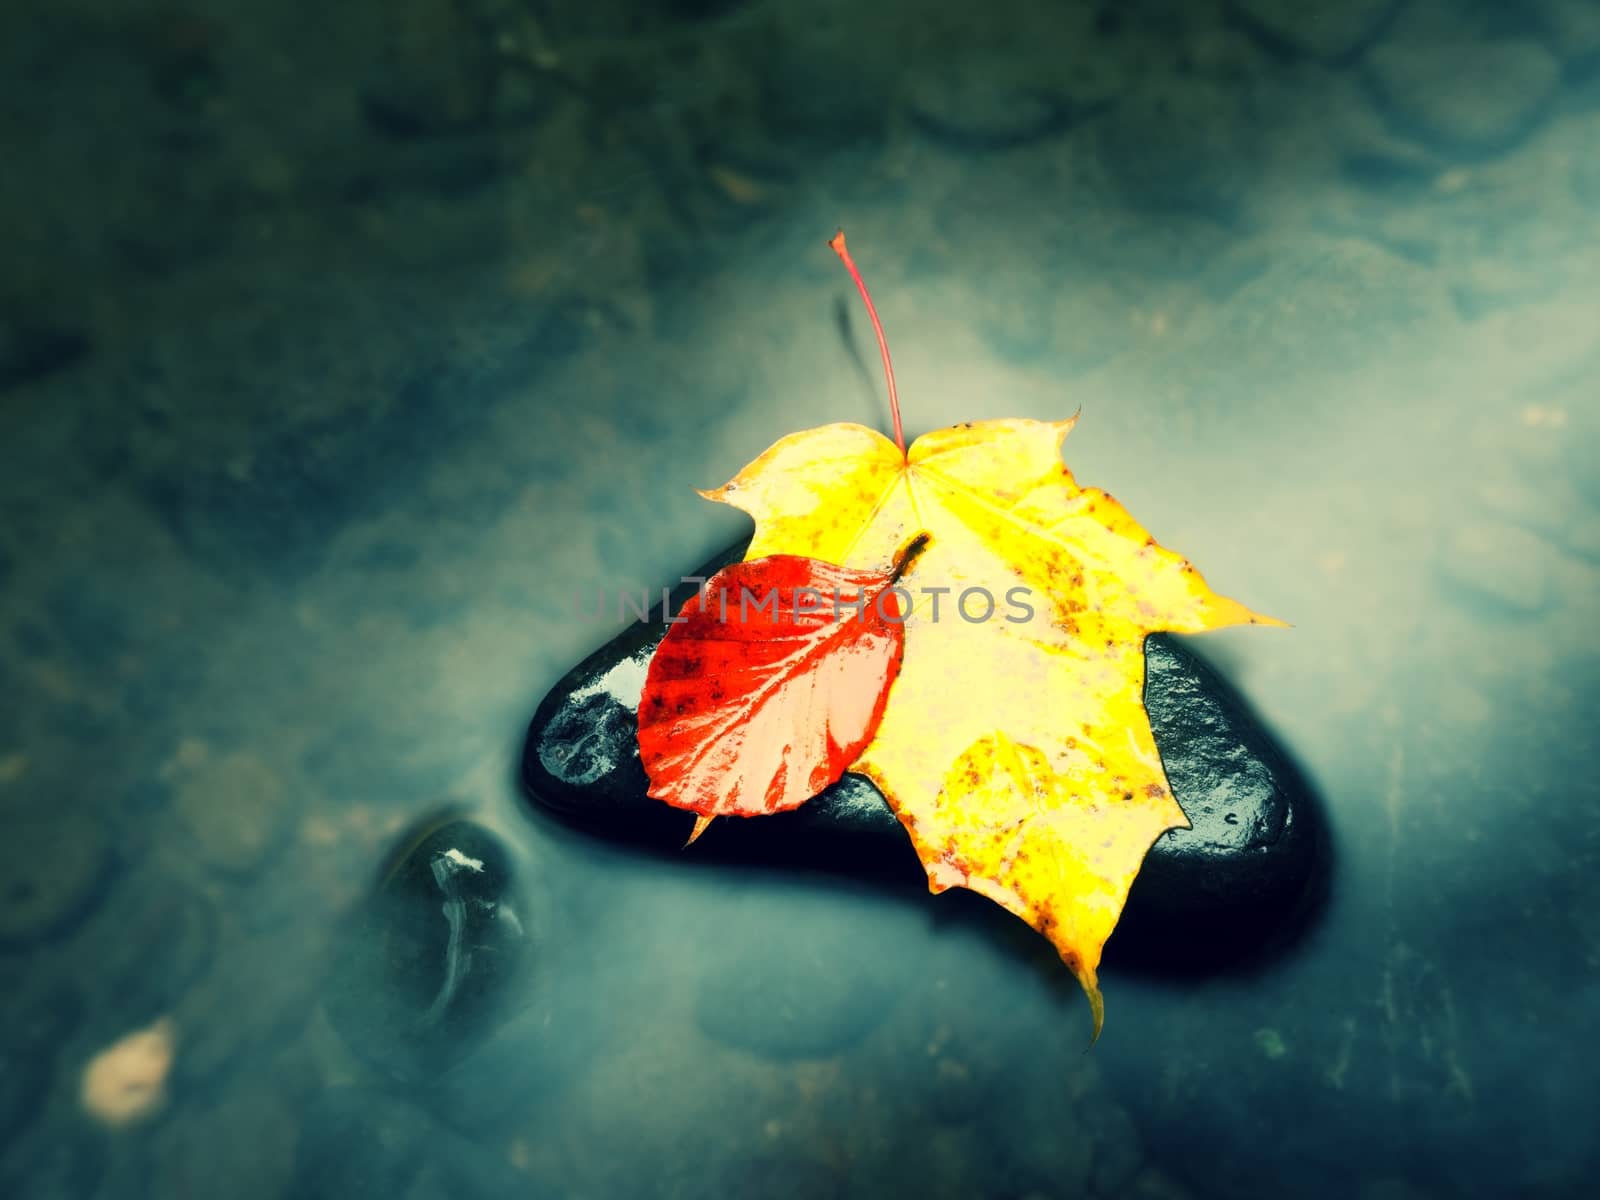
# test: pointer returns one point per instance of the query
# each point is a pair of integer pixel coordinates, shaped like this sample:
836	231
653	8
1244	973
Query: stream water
339	350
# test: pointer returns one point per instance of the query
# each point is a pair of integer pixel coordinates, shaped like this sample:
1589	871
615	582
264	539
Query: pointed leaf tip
700	826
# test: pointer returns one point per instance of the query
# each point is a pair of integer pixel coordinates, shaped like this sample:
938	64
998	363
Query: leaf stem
836	244
909	555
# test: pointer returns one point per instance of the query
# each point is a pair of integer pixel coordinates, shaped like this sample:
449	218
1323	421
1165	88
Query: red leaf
753	703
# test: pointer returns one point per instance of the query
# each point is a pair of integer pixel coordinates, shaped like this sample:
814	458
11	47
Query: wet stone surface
1249	865
437	955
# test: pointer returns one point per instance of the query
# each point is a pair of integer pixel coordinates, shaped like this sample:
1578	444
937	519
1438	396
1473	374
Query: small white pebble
127	1080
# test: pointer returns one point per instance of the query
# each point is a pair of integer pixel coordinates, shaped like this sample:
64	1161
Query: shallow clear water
293	529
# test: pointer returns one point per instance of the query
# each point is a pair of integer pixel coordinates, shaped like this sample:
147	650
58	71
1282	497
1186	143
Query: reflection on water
329	373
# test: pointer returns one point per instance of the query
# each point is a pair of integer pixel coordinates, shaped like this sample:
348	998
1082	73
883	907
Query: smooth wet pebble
438	954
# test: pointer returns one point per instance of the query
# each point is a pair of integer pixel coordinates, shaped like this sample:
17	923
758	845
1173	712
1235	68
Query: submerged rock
784	995
150	944
1334	33
436	953
1477	95
1210	892
1176	145
1571	29
976	105
56	874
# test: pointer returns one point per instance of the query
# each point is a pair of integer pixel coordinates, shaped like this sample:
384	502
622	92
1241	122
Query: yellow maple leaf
1016	751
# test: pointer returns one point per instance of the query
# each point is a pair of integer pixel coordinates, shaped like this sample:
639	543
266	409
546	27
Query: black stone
437	955
1246	872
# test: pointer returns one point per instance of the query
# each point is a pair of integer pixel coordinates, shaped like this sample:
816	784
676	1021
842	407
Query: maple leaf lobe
970	752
